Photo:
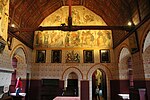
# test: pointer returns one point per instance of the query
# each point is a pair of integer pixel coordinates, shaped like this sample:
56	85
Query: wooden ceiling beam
76	28
63	2
133	30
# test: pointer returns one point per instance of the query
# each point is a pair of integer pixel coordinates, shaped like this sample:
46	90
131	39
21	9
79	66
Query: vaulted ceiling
28	14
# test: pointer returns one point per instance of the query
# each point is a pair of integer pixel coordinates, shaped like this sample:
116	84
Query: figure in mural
100	40
1	17
103	39
18	86
87	39
108	38
56	38
39	38
57	19
76	16
88	18
67	39
53	37
46	38
74	39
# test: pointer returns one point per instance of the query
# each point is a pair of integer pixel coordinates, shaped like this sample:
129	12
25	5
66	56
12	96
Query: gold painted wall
87	38
80	16
4	13
83	38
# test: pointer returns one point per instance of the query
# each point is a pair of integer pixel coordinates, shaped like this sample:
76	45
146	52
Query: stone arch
146	42
108	74
123	65
99	66
72	69
19	53
144	33
146	56
124	45
145	52
77	72
20	46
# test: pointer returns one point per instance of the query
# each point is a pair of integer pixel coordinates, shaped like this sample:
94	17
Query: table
21	95
66	98
124	96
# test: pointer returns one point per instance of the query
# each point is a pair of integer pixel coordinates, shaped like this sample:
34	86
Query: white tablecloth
66	98
21	94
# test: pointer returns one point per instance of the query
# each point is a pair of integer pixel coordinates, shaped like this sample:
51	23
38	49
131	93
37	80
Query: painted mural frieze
82	38
4	2
85	38
80	16
4	8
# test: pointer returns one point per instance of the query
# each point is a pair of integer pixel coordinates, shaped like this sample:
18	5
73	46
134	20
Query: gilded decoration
80	16
3	17
72	57
81	38
86	38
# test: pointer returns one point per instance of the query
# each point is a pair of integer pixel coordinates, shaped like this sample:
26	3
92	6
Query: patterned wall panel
5	80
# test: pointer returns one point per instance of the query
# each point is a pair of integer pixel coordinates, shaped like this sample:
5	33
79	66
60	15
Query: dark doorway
99	81
27	87
72	85
72	88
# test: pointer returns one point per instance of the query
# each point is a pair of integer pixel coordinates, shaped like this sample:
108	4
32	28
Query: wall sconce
2	44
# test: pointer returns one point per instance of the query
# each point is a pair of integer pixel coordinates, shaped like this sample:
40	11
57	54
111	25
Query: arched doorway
106	75
99	81
123	63
146	62
125	73
70	74
19	64
13	77
72	84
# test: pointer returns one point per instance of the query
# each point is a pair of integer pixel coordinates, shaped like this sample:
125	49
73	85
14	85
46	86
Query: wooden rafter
75	28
